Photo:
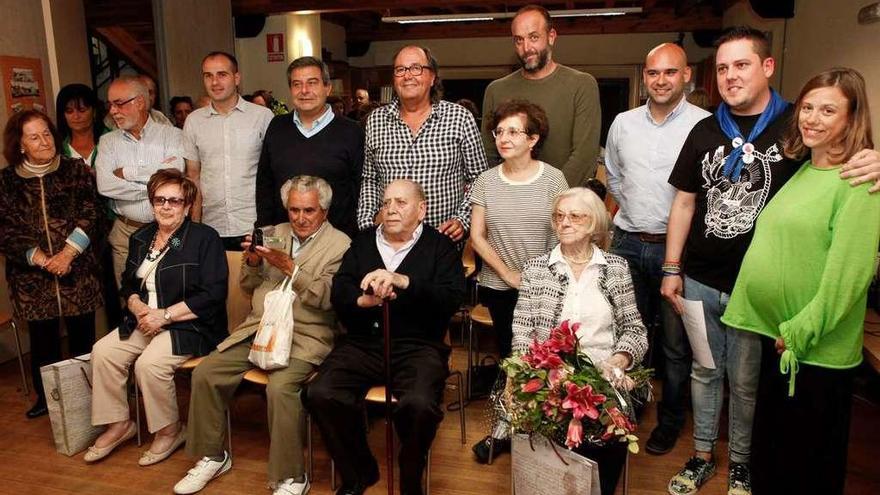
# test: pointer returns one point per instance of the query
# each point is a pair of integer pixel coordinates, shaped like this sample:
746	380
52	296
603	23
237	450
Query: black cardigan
422	311
193	271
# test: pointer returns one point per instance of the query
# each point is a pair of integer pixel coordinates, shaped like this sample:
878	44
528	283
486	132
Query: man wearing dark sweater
311	141
410	266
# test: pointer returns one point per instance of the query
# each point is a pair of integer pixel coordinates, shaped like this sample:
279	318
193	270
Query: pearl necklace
579	262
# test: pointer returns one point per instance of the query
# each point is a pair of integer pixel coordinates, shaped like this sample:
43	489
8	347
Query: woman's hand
671	289
512	278
614	370
252	259
151	322
137	307
60	263
780	345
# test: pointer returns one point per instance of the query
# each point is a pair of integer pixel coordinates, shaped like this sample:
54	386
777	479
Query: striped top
517	216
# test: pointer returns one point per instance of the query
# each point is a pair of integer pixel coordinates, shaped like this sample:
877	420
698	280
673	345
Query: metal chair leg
24	383
491	449
229	430
137	407
310	466
332	475
470	355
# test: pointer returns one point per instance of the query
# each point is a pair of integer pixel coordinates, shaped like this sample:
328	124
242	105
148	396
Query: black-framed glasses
510	131
120	104
161	200
414	70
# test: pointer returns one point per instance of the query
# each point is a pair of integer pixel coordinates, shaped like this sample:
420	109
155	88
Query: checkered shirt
445	158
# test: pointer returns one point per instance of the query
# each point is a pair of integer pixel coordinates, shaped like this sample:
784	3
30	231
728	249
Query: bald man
640	152
414	269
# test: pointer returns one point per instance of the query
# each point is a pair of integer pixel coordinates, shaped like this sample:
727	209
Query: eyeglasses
574	218
161	200
120	104
414	70
510	131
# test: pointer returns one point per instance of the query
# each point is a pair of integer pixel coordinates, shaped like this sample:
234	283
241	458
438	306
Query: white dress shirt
160	146
394	257
227	148
585	304
639	155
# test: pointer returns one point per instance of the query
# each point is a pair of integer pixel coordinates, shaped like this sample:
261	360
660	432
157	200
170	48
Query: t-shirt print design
733	207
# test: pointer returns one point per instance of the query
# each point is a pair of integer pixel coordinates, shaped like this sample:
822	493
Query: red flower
582	401
532	385
551	405
541	357
563	338
575	433
620	420
555	377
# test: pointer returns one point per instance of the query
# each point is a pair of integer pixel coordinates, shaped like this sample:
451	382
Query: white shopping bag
270	349
68	386
538	470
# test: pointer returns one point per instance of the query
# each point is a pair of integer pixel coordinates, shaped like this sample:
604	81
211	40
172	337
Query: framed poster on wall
23	87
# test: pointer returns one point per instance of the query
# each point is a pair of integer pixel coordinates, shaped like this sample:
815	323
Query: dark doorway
613	99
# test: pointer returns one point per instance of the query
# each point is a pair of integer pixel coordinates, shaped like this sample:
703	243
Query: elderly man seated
417	271
311	243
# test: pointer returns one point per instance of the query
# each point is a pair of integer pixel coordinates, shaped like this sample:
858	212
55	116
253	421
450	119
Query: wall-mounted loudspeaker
773	9
356	48
249	26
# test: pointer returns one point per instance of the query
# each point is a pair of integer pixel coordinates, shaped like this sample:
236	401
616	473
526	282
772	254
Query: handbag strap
152	267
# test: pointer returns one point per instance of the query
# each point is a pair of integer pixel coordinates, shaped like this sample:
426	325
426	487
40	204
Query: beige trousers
118	239
154	372
213	384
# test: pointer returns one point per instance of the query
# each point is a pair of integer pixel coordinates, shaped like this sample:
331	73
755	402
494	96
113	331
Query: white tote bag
68	386
270	349
539	468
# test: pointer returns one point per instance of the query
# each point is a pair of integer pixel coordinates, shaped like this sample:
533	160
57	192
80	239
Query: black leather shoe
662	440
481	448
39	409
360	487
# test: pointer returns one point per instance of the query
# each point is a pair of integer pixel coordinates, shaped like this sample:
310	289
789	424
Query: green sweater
806	274
571	100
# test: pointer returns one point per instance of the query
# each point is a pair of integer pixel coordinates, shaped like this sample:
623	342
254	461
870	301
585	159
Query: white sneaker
290	487
204	471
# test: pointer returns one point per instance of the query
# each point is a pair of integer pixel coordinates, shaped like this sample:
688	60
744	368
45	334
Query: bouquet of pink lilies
555	391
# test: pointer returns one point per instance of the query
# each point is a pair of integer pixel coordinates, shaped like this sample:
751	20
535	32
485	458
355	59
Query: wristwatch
167	316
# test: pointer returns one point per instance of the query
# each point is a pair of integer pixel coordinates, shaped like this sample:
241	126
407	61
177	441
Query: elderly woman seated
174	286
579	282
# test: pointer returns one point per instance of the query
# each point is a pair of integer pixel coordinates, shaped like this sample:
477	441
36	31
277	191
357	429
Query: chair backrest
238	302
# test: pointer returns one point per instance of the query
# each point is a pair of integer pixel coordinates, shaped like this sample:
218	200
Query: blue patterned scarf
734	164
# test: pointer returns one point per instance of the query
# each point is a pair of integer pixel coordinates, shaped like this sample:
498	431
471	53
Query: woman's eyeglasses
510	131
161	200
574	218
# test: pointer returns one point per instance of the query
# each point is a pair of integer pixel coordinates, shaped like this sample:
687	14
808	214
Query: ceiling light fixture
490	16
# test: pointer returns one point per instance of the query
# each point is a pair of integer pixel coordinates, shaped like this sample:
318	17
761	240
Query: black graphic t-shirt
725	213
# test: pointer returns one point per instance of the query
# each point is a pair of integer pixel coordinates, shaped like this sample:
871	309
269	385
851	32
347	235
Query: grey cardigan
542	295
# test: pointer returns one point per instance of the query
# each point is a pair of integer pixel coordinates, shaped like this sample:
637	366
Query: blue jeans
645	265
736	353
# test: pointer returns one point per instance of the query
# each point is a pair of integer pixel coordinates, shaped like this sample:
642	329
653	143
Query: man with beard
570	98
642	146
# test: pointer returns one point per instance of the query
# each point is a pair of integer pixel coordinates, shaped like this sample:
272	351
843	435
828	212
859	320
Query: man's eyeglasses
161	200
414	70
122	103
510	131
574	218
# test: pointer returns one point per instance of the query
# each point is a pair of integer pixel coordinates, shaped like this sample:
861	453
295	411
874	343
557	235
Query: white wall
333	40
741	14
257	72
820	37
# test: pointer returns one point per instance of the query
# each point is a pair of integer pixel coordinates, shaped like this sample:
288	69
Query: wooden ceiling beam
240	7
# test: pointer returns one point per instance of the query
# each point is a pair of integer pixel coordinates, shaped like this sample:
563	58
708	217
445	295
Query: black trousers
46	343
501	304
335	398
610	458
112	301
799	444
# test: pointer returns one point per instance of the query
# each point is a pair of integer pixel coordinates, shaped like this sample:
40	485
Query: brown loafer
149	457
94	454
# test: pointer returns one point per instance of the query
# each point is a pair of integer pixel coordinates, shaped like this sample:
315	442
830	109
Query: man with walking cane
416	272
